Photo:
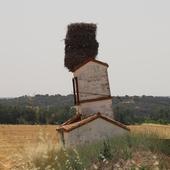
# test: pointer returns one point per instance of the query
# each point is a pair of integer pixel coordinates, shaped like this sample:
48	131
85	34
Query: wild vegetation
55	109
33	146
128	152
14	138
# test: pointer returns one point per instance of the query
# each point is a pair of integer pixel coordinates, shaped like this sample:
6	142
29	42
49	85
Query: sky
133	36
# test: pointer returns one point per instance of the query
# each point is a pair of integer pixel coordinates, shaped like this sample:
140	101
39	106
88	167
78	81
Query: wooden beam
77	90
74	91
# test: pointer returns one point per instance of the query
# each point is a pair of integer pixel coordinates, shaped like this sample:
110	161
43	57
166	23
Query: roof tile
72	126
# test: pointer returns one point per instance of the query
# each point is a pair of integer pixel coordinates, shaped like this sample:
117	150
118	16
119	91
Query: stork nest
80	44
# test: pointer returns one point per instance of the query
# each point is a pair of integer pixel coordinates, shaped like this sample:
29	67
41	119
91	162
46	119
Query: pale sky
134	37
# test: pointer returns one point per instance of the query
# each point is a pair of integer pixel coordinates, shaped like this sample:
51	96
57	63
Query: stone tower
91	89
94	120
90	83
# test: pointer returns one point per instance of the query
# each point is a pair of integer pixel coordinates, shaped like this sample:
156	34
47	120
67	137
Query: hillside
39	100
146	109
54	109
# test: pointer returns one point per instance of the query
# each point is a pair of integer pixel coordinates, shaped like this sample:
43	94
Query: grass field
163	131
15	137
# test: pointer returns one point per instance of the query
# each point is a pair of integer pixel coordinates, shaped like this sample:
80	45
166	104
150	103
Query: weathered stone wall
102	106
92	81
96	130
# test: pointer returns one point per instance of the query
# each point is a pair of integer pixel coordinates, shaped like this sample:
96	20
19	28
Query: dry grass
16	137
163	131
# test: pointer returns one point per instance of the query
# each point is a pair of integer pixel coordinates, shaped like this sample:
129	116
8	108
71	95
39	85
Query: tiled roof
72	126
74	119
88	60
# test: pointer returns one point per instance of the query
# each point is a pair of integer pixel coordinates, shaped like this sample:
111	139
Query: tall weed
46	155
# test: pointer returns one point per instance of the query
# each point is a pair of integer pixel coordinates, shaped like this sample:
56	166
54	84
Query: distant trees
40	109
45	109
25	115
145	109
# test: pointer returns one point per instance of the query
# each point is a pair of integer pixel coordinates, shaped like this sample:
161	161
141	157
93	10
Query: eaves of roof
88	60
72	126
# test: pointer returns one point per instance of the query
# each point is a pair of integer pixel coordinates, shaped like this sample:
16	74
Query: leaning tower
94	120
90	77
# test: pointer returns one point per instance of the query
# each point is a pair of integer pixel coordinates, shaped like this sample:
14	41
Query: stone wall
93	131
92	81
102	106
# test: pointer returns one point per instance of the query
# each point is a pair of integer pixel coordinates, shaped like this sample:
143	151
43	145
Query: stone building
94	118
91	129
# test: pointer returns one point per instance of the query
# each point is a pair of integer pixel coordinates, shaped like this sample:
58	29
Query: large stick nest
80	44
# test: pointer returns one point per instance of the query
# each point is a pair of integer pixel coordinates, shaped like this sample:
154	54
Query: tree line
55	109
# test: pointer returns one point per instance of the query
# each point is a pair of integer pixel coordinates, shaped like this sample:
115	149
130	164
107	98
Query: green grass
123	148
47	156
